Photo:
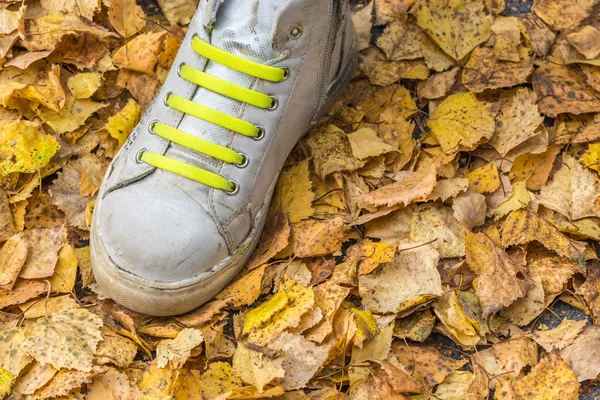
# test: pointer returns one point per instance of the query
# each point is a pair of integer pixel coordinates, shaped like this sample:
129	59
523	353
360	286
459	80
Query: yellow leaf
44	307
365	143
523	311
121	124
590	291
411	277
317	238
178	350
35	377
455	322
484	179
584	353
561	336
66	339
551	379
6	381
85	265
461	122
22	291
483	71
436	223
12	258
63	280
554	271
561	14
71	116
84	84
366	326
460	385
219	381
62	384
586	40
157	383
534	169
591	158
43	246
115	349
524	226
24	147
331	151
519	198
415	186
12	357
518	121
126	17
294	195
573	191
141	53
281	312
256	368
501	279
457	26
373	254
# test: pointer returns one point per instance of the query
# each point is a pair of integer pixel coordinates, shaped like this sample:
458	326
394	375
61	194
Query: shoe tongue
242	27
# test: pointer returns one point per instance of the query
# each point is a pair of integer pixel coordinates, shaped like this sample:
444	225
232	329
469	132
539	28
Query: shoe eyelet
194	36
286	74
235	190
274	104
166	99
151	126
261	133
296	32
245	162
179	67
139	155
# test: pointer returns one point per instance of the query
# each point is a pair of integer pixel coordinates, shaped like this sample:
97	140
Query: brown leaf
331	151
126	17
584	354
42	251
21	292
7	226
590	291
12	258
141	53
483	71
416	186
563	89
562	14
317	238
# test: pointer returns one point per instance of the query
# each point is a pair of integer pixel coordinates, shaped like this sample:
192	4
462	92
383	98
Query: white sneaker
184	202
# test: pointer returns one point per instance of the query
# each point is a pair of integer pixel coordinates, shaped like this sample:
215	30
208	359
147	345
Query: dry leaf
435	223
561	14
551	379
66	339
294	195
484	179
25	147
315	238
583	353
460	122
573	190
561	336
331	151
457	27
177	351
126	17
42	251
12	258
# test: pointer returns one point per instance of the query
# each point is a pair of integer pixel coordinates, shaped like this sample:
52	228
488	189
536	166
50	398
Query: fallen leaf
457	27
508	358
62	384
363	22
178	12
460	122
501	279
591	158
373	254
457	324
66	339
65	272
282	311
563	89
412	274
294	194
461	385
590	291
524	226
25	147
553	270
484	179
561	336
84	84
256	368
120	125
551	379
518	121
365	143
218	381
573	190
115	349
177	351
483	71
523	311
22	292
331	151
534	169
44	307
43	246
35	377
12	357
426	363
436	223
315	238
438	85
126	17
12	258
583	353
562	14
141	53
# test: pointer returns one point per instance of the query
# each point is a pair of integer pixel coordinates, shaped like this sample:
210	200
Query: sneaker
183	203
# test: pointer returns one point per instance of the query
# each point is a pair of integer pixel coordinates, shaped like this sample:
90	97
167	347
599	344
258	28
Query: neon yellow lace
224	88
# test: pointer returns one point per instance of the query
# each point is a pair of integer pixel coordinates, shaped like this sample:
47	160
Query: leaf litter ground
435	237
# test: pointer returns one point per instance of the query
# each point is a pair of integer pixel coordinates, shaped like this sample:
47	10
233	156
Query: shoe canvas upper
162	227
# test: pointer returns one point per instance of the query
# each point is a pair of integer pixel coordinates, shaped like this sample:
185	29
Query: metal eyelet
235	190
179	69
245	161
286	74
296	32
261	133
138	156
195	35
151	126
166	99
274	104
